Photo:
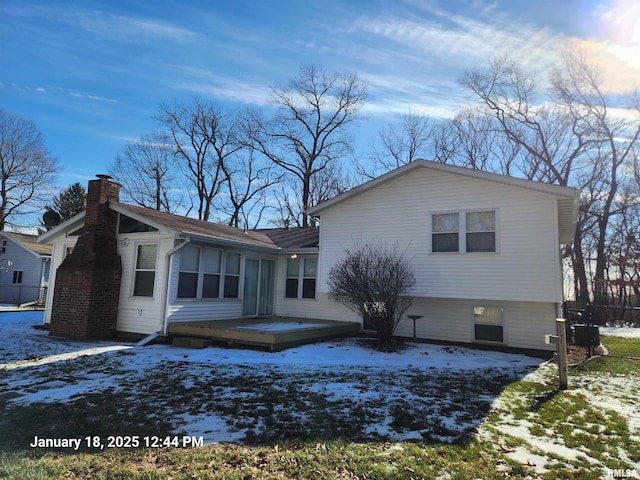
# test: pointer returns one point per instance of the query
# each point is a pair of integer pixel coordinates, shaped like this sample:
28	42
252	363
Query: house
24	268
485	251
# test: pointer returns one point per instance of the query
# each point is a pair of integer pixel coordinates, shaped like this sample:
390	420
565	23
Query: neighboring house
24	268
485	251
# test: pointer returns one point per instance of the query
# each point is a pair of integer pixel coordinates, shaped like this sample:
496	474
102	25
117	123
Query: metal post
562	353
414	318
590	339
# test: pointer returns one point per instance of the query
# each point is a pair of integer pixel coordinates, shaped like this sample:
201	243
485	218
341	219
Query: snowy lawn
493	412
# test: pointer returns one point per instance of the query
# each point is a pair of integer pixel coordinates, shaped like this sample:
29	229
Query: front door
259	276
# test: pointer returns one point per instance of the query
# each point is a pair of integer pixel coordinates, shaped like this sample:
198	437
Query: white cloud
91	97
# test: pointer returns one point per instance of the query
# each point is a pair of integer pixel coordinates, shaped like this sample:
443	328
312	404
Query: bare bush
374	281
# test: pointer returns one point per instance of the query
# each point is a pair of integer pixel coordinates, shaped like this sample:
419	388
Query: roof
568	198
29	242
292	238
196	227
271	239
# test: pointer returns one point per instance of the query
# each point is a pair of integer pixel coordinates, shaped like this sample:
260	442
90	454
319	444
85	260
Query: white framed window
464	232
212	265
488	324
232	275
301	277
189	272
208	273
145	270
17	277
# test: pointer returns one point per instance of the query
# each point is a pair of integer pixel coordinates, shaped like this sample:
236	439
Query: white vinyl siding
141	314
524	324
525	268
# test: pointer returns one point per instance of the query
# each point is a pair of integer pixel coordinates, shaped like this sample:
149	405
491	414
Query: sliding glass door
259	277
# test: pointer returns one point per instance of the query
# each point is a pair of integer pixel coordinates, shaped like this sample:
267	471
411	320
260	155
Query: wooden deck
274	333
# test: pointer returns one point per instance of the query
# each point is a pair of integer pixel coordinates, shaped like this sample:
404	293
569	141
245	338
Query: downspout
165	293
167	281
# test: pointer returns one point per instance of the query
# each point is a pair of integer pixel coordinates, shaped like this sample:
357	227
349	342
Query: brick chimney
87	288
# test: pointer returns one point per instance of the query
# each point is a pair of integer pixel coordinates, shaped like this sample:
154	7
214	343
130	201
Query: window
481	231
211	274
301	277
232	276
17	276
208	273
188	277
3	249
488	324
145	272
129	225
465	232
445	228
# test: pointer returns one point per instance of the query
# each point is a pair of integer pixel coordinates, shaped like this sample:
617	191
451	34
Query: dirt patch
577	354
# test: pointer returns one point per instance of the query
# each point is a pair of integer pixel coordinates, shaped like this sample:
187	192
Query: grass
295	423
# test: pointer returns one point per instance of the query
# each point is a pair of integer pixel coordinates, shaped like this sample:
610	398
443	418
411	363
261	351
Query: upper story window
17	277
208	273
464	232
301	277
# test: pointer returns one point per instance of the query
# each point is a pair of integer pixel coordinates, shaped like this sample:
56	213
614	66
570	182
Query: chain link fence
604	329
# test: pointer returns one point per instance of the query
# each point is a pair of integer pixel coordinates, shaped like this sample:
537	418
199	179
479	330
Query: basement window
488	324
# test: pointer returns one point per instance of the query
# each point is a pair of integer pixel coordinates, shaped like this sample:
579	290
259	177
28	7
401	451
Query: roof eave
71	224
116	207
232	243
558	190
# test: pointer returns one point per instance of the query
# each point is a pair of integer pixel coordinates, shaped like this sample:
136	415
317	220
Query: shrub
374	281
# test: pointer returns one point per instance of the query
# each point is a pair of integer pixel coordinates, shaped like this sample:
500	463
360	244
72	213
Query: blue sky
91	74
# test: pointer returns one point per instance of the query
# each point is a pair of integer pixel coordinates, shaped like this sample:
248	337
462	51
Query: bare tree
247	183
326	184
310	130
250	175
476	141
615	140
566	135
403	143
26	169
146	171
203	137
375	282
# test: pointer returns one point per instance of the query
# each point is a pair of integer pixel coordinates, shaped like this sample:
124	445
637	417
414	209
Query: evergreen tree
69	202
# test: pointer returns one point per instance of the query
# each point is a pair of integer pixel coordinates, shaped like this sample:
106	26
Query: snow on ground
339	371
625	332
21	345
350	373
609	393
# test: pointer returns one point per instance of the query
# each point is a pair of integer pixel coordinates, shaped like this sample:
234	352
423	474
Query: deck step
191	342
